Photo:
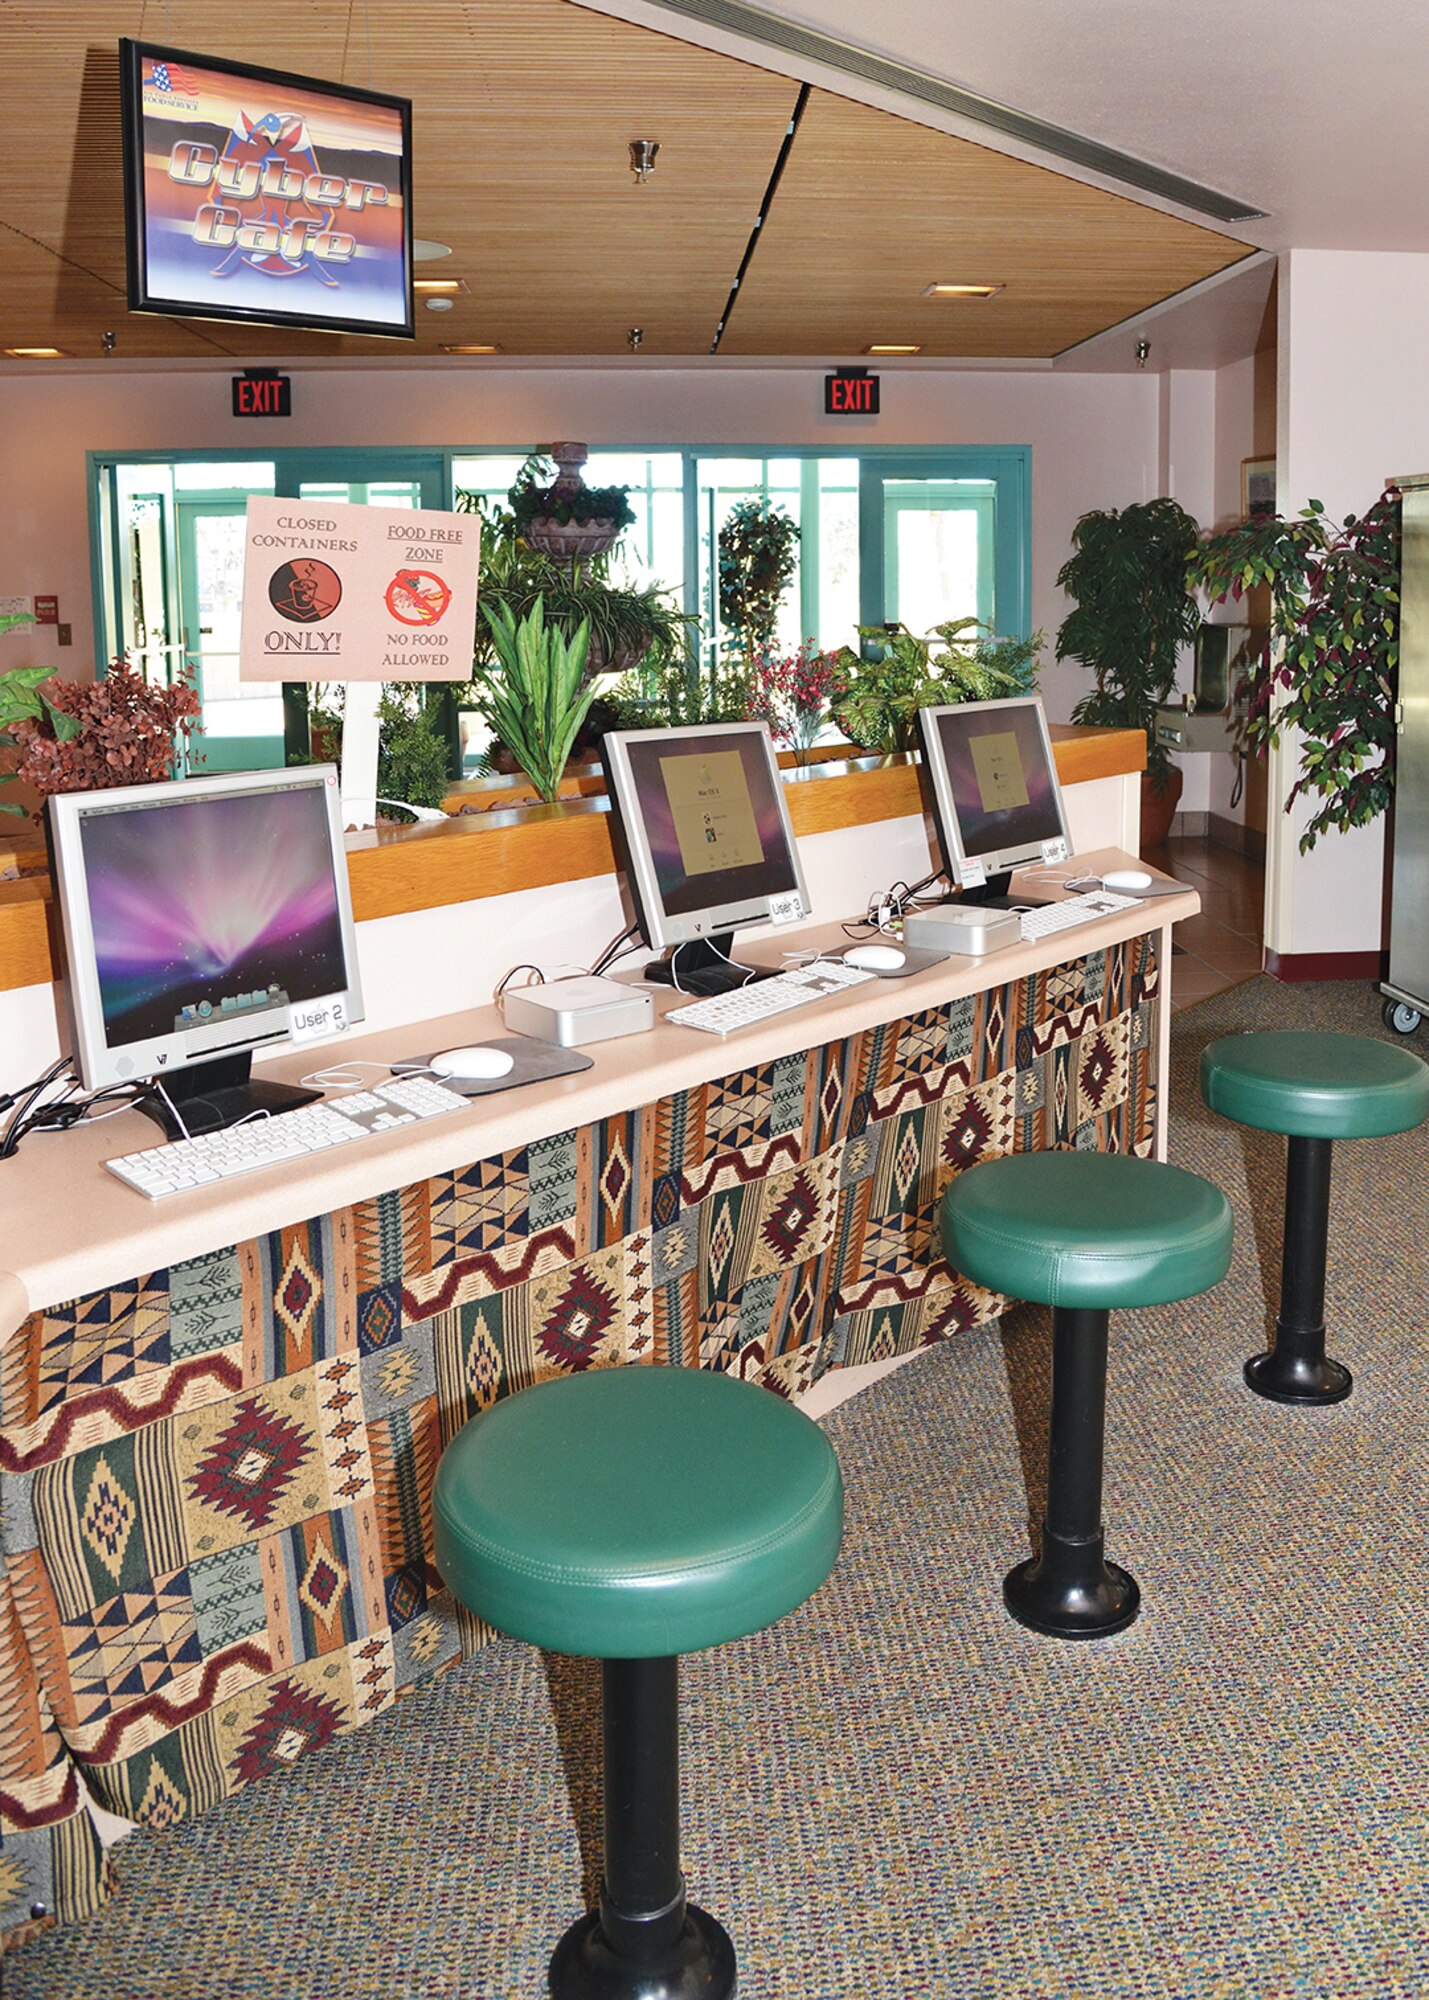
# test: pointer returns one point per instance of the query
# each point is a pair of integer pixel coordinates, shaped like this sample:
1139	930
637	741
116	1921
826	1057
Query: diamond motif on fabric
323	1583
581	1319
788	1223
293	1722
483	1362
722	1238
905	1163
377	1319
296	1300
162	1805
247	1470
1097	1071
968	1134
107	1518
831	1096
615	1178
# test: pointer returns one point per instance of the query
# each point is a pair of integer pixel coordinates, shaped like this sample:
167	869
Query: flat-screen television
254	195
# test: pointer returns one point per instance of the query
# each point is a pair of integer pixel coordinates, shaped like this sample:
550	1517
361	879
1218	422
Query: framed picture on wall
1257	488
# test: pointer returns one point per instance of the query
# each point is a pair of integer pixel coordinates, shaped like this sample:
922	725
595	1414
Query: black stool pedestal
1296	1369
645	1942
1070	1591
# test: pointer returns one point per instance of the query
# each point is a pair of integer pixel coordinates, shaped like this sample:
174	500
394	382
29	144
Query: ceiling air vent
811	46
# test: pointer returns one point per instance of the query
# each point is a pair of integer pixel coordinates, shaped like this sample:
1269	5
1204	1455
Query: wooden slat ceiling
523	114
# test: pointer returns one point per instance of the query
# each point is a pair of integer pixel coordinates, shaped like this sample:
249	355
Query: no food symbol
416	597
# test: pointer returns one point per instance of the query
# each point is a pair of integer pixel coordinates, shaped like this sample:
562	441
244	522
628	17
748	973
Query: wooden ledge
396	870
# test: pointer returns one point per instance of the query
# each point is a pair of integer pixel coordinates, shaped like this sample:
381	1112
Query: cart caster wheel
1400	1018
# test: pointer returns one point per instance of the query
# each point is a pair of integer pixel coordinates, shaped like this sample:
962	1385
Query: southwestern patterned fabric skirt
217	1477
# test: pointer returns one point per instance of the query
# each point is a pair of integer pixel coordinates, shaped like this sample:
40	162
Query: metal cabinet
1407	986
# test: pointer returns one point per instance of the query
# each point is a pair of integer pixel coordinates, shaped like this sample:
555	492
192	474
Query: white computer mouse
876	957
1127	878
472	1065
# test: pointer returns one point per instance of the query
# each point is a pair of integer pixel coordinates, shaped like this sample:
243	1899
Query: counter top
68	1226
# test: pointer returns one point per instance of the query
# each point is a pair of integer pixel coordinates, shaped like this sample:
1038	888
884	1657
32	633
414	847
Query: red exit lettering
851	395
261	396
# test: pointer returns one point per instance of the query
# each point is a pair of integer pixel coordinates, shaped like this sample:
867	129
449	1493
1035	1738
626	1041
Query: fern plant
533	697
957	661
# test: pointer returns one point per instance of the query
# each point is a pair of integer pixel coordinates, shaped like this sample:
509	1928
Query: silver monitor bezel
661	928
1000	860
97	1063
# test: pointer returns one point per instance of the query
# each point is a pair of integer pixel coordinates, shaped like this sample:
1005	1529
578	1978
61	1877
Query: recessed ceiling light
941	291
424	251
38	353
439	284
893	347
472	347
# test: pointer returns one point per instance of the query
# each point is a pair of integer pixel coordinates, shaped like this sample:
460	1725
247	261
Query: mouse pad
532	1061
913	961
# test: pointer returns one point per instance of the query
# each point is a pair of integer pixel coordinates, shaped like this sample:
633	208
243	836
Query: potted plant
794	693
625	622
757	554
412	752
959	660
1133	608
538	700
675	690
1329	668
568	519
76	736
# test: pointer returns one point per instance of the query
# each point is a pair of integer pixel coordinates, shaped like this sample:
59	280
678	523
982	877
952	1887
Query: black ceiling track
762	217
741	19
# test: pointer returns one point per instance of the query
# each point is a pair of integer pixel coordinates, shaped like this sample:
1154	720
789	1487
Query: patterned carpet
897	1793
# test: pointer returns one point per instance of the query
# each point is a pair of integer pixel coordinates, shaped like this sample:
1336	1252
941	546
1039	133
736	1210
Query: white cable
338	1076
173	1108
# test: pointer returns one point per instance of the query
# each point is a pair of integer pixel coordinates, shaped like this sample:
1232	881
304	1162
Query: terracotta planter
1158	807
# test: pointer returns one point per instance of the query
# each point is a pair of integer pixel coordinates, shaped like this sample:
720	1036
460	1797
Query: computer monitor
992	784
701	831
203	919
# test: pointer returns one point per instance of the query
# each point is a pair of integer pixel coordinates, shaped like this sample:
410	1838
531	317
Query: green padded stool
631	1515
1315	1089
1082	1233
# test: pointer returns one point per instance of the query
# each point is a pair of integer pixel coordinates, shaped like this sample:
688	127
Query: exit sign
851	392
262	393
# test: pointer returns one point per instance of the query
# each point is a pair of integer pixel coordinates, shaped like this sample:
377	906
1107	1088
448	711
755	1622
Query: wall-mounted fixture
642	158
634	338
1143	352
109	342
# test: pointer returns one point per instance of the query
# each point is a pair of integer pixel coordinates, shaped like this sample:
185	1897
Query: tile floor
1222	946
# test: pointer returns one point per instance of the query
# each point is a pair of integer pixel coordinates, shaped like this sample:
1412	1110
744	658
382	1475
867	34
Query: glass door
241	727
945	536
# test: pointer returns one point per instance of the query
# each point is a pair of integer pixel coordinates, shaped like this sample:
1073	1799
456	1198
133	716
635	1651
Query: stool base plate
1298	1380
1071	1611
698	1966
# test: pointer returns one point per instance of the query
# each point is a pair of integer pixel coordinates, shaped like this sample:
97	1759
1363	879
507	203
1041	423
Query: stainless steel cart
1407	987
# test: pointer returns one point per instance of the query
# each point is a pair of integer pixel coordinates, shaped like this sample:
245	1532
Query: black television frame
131	56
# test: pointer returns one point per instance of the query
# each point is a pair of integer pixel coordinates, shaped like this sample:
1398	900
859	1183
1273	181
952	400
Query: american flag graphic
170	76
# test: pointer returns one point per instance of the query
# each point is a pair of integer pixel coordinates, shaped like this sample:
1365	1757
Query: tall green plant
756	553
534	699
1133	609
1329	669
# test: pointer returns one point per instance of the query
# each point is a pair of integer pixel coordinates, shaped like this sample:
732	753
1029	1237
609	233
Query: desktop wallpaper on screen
711	817
224	907
1000	778
271	198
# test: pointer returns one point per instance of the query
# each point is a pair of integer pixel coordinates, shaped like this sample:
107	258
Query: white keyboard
271	1142
722	1013
1075	910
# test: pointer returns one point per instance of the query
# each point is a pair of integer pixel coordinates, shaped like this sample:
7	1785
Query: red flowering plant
79	736
794	693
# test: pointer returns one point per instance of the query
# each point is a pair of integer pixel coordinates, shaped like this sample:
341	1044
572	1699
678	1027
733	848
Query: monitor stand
993	894
210	1095
704	967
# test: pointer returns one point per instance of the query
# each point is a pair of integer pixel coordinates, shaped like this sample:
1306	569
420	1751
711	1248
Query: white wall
1353	412
1095	439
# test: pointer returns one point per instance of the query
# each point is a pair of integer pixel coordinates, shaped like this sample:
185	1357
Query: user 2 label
316	1020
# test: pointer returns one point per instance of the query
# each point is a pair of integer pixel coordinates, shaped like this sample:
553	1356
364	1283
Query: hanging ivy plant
757	547
1329	669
